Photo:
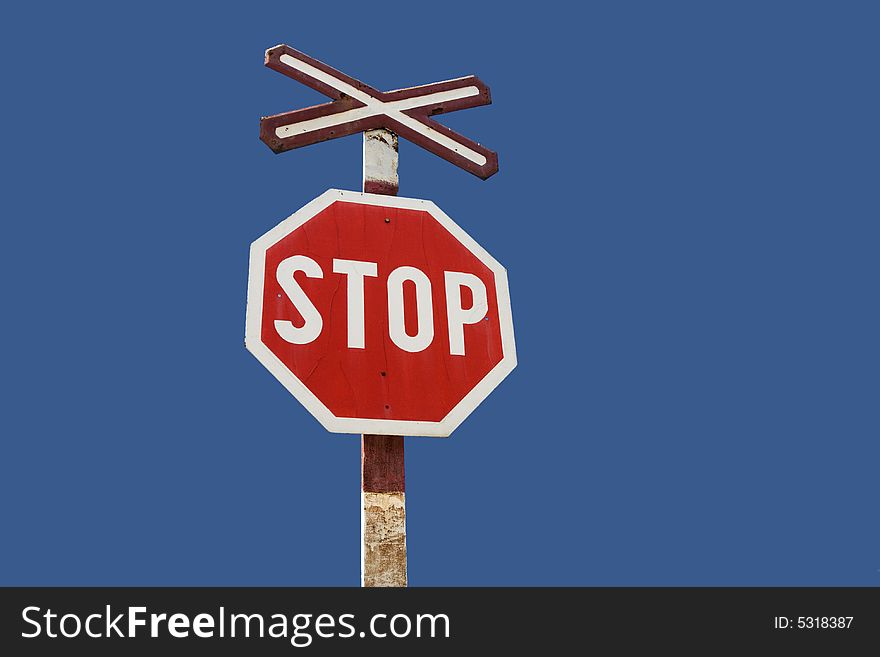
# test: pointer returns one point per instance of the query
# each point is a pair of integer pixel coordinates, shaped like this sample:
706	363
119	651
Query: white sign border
253	340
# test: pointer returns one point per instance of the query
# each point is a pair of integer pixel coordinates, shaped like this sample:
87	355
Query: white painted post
383	499
380	162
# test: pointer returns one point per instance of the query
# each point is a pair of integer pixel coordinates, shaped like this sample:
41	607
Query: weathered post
383	499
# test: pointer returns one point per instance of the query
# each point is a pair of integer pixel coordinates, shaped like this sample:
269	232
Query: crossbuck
358	107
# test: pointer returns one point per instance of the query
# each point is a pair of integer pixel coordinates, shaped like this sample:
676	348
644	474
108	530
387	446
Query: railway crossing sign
358	107
379	314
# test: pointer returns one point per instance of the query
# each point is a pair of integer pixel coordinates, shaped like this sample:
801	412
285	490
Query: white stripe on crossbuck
374	106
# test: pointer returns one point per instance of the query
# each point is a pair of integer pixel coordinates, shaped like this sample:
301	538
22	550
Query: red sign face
379	314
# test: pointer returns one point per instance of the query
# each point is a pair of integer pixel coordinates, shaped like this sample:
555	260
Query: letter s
24	616
313	323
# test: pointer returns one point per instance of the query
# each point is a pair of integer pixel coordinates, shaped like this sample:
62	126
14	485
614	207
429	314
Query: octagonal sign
379	314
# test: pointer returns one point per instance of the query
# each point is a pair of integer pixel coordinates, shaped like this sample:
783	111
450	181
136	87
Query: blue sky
687	208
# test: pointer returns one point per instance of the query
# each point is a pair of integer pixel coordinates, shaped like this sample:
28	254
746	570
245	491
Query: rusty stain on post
383	496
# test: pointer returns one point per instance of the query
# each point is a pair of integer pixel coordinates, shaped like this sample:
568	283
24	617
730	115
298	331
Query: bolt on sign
379	314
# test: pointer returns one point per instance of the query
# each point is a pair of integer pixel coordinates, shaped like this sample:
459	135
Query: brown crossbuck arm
357	107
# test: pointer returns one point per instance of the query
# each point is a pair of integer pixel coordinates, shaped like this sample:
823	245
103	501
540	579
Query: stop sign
379	314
